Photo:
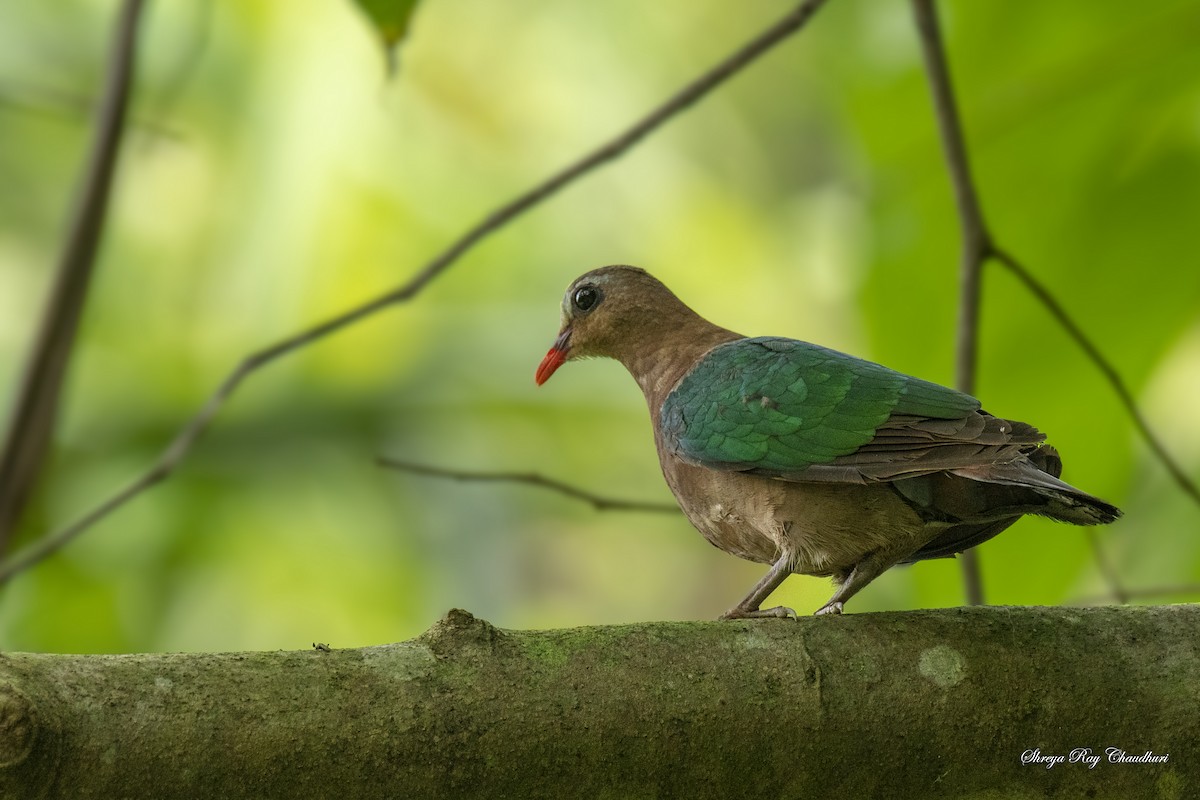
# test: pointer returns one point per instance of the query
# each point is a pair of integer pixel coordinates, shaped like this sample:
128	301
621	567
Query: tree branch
946	702
35	408
187	437
597	502
976	243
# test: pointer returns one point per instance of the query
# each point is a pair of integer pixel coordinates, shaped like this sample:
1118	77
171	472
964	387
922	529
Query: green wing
780	406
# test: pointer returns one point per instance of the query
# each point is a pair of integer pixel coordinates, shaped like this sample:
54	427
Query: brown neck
660	356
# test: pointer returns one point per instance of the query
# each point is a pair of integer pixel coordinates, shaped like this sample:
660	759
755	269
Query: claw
828	609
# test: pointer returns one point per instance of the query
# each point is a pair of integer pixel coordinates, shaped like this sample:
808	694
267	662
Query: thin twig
1104	365
1129	595
50	102
1107	571
187	437
35	408
977	248
187	59
598	502
976	243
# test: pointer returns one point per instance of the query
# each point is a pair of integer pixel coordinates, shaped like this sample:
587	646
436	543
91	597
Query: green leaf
391	19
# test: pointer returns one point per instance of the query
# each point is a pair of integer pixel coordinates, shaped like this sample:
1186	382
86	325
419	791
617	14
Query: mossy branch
919	704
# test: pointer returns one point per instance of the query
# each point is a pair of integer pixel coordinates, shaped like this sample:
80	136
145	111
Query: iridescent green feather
781	405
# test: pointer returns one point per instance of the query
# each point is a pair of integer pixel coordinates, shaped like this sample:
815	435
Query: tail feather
1039	472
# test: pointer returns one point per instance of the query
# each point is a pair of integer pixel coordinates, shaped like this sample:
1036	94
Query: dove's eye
586	298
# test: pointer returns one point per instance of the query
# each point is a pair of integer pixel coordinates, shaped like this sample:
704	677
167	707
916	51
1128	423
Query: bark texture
922	704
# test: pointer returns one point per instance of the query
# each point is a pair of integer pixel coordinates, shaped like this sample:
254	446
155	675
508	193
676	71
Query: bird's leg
859	576
749	607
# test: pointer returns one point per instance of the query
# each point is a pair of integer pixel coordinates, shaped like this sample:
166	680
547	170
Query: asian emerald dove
807	459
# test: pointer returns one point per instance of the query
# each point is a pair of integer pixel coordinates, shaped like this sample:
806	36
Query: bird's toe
828	608
778	612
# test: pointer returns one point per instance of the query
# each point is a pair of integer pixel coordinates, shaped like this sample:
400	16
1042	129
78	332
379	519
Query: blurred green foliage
274	177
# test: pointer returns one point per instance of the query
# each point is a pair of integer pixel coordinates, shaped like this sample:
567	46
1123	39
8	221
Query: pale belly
826	528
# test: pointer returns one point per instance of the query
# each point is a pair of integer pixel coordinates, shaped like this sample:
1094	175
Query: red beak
555	358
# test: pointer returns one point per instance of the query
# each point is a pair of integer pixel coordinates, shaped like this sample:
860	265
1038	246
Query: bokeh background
275	176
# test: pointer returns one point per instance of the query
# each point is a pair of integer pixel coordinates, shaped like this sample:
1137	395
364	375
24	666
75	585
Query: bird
810	460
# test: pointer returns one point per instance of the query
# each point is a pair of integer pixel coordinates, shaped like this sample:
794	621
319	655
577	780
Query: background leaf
391	19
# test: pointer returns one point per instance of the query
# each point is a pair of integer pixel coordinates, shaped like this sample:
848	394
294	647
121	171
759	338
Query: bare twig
976	243
977	248
532	479
1104	365
1129	595
51	102
35	408
1107	571
187	58
187	437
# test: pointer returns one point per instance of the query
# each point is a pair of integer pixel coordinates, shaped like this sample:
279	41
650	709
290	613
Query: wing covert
780	406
